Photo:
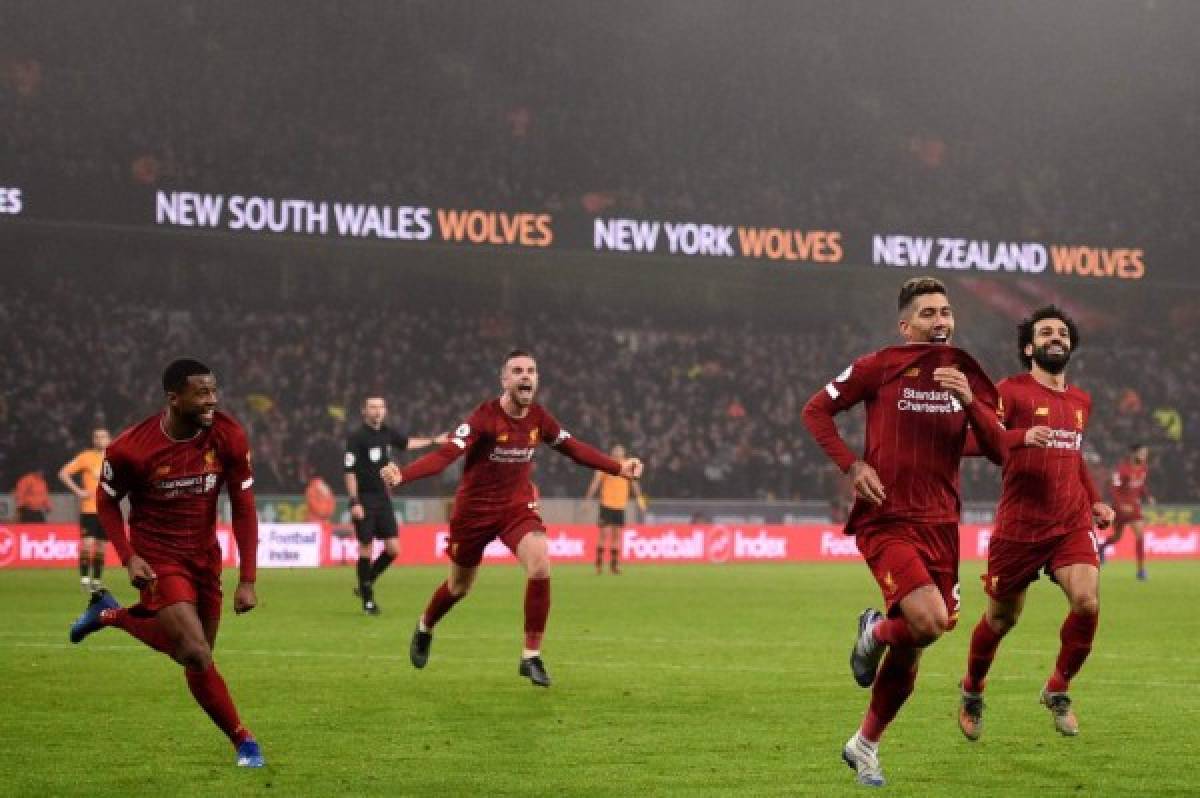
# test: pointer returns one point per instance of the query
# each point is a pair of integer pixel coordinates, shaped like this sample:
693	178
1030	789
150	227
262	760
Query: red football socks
537	610
984	642
1076	635
893	685
210	692
894	632
439	604
143	627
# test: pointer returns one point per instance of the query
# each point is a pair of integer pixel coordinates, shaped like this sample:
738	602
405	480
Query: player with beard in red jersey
1128	491
495	499
920	399
1045	517
172	467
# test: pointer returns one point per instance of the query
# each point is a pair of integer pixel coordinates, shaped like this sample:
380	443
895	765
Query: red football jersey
1047	491
499	450
915	430
1129	488
173	485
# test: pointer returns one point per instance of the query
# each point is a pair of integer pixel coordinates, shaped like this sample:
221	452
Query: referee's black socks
364	571
381	564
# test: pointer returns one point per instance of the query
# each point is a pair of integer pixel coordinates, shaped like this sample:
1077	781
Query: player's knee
928	627
1086	604
537	565
535	556
194	655
1002	622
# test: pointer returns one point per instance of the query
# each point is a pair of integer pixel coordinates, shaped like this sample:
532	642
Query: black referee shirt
367	451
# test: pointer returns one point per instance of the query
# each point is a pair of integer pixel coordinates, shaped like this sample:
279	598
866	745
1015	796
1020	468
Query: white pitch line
720	644
670	666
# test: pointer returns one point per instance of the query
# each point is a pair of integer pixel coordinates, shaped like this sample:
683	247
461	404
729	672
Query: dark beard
1054	364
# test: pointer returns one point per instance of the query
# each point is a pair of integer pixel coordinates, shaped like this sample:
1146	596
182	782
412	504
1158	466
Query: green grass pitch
703	680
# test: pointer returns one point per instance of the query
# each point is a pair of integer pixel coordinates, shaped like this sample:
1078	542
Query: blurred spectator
32	497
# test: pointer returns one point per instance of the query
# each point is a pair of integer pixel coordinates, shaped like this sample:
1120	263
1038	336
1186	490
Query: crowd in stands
703	113
783	118
711	404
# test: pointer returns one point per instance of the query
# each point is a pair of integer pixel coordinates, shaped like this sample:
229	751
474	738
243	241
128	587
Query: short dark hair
515	353
175	376
1133	447
916	287
1025	330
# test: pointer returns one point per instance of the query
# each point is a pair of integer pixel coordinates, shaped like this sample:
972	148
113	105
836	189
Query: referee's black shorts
378	523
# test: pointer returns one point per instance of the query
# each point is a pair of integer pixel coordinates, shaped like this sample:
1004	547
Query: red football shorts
904	557
196	582
1014	566
468	538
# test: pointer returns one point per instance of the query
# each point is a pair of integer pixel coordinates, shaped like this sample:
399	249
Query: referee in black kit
368	449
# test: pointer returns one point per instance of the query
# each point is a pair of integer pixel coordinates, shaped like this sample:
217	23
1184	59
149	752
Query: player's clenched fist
1103	515
955	382
1038	436
631	468
244	598
390	474
141	575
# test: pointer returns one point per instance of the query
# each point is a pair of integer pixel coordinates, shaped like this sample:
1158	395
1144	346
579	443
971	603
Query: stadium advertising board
256	214
290	545
716	240
403	221
310	545
1019	257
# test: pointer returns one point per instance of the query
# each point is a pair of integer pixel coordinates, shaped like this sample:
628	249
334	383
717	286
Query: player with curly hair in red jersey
1045	518
172	467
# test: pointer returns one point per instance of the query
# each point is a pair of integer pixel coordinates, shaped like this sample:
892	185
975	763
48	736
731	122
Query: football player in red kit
1128	491
920	399
495	500
172	467
1045	518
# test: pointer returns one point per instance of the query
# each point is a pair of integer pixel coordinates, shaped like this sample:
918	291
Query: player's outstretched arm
587	455
425	443
433	463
